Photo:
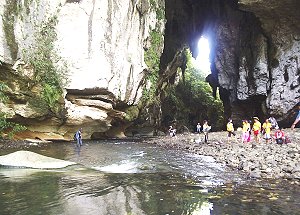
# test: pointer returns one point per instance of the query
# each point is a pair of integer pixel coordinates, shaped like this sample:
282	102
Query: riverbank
256	160
21	144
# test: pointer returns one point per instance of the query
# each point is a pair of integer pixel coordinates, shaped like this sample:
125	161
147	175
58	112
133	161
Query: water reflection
39	194
146	180
77	149
88	192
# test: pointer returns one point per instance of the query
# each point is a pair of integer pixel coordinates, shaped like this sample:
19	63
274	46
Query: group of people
265	129
257	129
205	128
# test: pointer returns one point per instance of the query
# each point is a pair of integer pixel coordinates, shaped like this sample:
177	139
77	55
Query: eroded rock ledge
103	46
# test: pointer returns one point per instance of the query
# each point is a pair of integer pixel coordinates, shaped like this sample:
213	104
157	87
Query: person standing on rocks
246	131
273	122
206	129
230	129
172	131
267	130
256	129
198	128
297	117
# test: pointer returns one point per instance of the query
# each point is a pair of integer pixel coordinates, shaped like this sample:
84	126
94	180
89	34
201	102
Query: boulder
32	160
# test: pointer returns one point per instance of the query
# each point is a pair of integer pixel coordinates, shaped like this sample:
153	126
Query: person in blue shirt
297	117
79	137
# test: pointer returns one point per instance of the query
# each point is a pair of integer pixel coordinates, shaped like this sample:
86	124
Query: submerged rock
32	160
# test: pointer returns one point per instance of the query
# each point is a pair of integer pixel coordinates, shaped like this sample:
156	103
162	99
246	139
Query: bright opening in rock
202	61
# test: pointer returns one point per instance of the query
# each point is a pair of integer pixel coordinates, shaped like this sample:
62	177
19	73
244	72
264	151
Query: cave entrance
202	61
190	100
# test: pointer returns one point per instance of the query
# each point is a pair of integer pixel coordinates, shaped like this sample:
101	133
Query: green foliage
45	58
159	9
39	105
152	59
152	55
191	100
50	70
131	113
3	97
51	95
11	127
150	102
4	124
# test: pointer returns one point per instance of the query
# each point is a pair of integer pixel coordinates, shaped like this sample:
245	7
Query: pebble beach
256	160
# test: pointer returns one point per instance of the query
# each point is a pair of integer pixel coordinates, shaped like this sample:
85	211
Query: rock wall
101	42
254	57
280	25
254	52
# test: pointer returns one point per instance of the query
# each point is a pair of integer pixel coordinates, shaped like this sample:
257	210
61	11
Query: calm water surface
130	178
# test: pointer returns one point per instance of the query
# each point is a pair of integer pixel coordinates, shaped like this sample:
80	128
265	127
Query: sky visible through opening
202	60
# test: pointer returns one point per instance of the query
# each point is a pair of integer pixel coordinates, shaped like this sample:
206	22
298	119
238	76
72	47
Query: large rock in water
32	160
102	44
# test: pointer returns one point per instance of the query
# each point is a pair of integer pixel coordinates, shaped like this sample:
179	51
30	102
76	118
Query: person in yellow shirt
246	131
256	129
230	129
267	130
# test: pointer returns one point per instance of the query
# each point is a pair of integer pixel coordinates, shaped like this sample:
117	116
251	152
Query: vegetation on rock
3	97
152	59
152	56
158	6
49	69
190	100
147	108
5	125
44	90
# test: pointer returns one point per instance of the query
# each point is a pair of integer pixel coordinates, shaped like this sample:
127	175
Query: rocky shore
256	160
21	144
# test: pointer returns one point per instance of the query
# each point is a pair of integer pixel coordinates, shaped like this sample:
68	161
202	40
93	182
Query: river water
130	178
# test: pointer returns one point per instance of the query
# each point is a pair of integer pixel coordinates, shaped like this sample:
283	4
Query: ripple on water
138	179
123	167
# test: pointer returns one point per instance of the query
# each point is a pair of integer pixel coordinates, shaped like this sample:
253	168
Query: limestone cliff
101	43
254	52
100	46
